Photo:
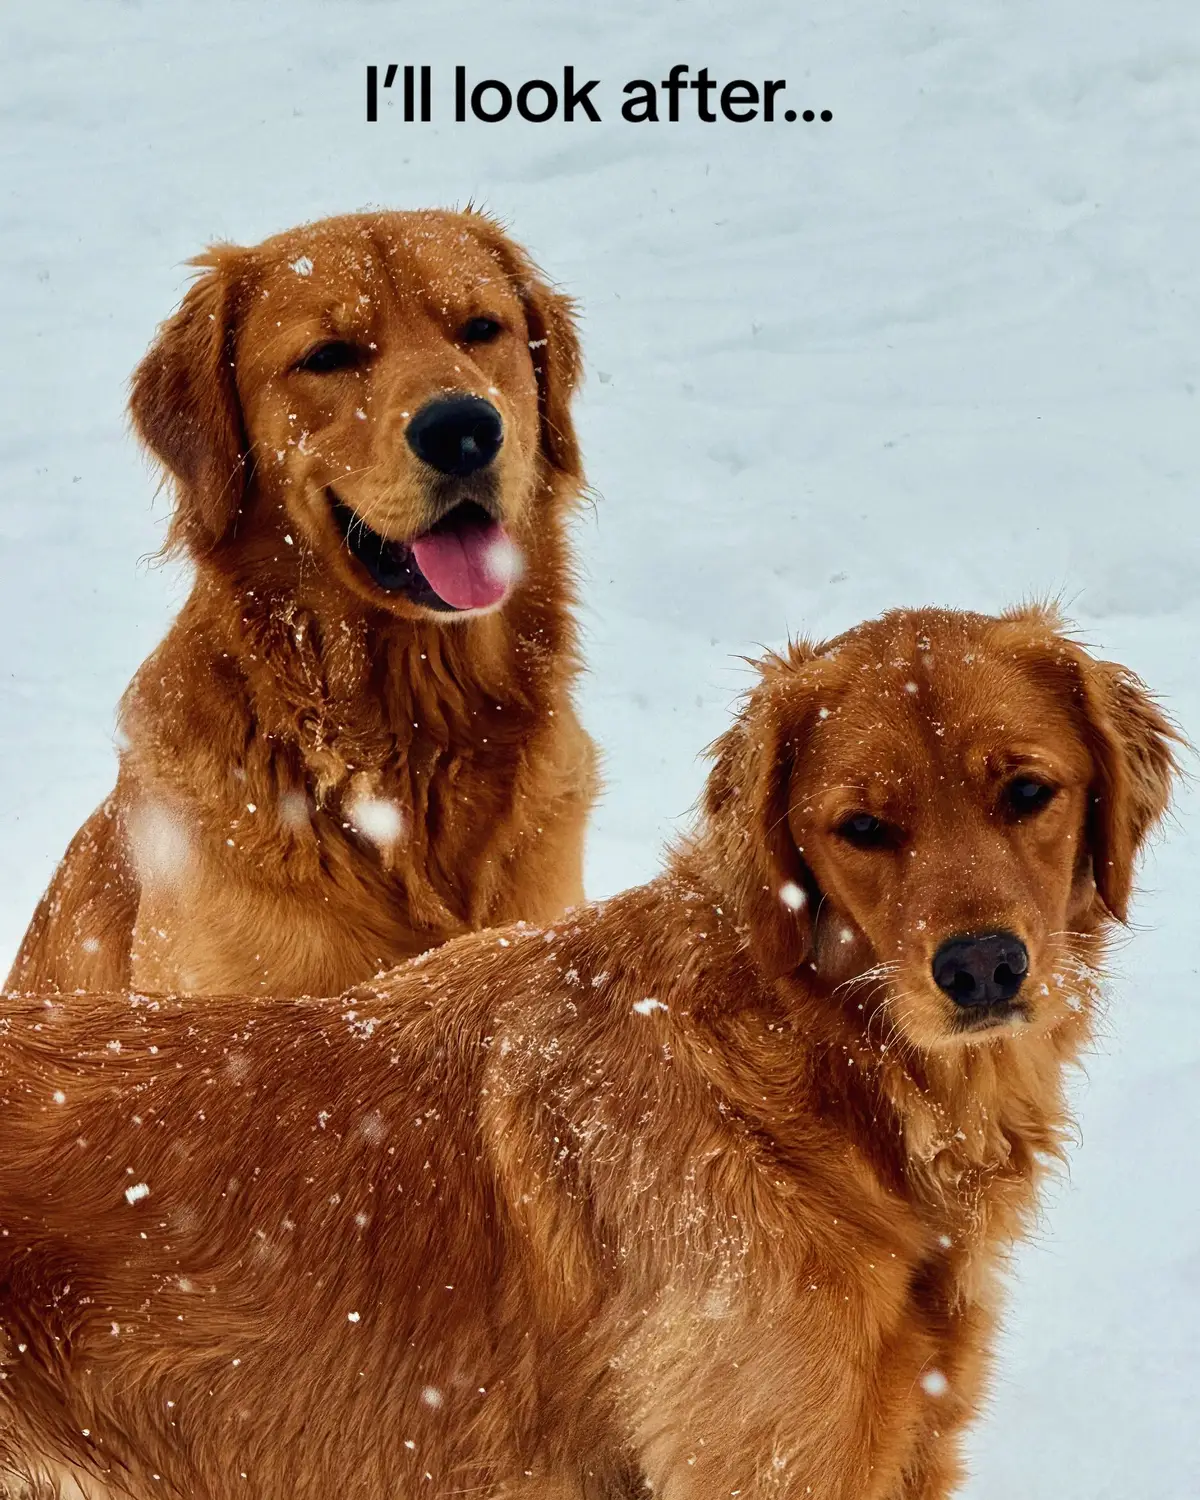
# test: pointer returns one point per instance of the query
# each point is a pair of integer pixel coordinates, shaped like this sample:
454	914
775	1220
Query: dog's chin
461	566
930	1025
976	1021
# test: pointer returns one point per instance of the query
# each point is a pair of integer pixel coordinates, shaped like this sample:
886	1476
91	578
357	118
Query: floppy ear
746	805
1132	744
185	407
550	320
557	365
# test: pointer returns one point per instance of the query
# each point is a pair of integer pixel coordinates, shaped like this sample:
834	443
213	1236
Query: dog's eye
1027	795
334	354
864	831
480	331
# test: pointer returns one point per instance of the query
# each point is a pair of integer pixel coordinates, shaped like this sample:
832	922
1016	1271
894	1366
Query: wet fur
228	857
652	1195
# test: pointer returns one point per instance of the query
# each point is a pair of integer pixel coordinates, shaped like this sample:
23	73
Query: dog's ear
185	406
557	365
550	321
747	806
1133	750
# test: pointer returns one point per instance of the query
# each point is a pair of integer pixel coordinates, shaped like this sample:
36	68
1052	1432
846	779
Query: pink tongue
467	566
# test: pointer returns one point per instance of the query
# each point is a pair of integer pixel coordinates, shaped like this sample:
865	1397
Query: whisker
880	971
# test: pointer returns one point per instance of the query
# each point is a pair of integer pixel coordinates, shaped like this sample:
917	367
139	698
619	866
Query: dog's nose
984	970
456	434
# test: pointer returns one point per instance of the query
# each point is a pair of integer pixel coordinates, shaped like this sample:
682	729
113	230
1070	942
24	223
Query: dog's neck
964	1134
354	686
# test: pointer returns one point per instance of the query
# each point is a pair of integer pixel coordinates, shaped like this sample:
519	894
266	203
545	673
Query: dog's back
707	1187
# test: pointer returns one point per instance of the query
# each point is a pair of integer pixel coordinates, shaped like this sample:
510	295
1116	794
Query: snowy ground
943	349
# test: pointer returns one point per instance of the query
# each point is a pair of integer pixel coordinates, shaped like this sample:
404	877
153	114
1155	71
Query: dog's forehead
437	257
900	707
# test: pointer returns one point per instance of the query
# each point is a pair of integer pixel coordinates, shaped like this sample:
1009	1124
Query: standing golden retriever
357	739
707	1187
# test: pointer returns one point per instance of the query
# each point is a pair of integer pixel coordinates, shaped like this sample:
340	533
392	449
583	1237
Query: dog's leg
546	873
780	1402
80	935
543	876
217	936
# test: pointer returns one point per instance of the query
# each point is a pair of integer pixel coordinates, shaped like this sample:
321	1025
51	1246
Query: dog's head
387	394
939	813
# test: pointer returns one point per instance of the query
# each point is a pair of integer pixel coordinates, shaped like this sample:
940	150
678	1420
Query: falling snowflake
378	819
934	1383
160	843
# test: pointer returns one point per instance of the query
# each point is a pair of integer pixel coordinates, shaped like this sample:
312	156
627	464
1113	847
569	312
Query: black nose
985	970
456	434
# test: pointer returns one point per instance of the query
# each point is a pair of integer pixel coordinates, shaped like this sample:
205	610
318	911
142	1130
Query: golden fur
701	1187
292	691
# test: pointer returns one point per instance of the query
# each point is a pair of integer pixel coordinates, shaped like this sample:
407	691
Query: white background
942	350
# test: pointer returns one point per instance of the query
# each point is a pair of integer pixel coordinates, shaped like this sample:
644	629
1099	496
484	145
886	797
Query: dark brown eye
480	331
865	831
331	356
1026	794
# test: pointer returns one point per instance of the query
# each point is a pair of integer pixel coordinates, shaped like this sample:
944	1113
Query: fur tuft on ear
550	319
746	807
185	406
1133	746
1038	614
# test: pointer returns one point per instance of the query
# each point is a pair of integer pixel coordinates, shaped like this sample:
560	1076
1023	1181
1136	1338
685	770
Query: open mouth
465	561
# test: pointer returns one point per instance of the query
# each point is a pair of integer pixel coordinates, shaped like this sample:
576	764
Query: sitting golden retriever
706	1188
357	740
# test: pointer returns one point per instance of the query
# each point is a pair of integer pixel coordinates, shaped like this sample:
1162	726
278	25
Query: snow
941	349
503	561
378	819
160	843
934	1383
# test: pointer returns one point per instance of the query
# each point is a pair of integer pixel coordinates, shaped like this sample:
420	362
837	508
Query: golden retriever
358	739
705	1189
